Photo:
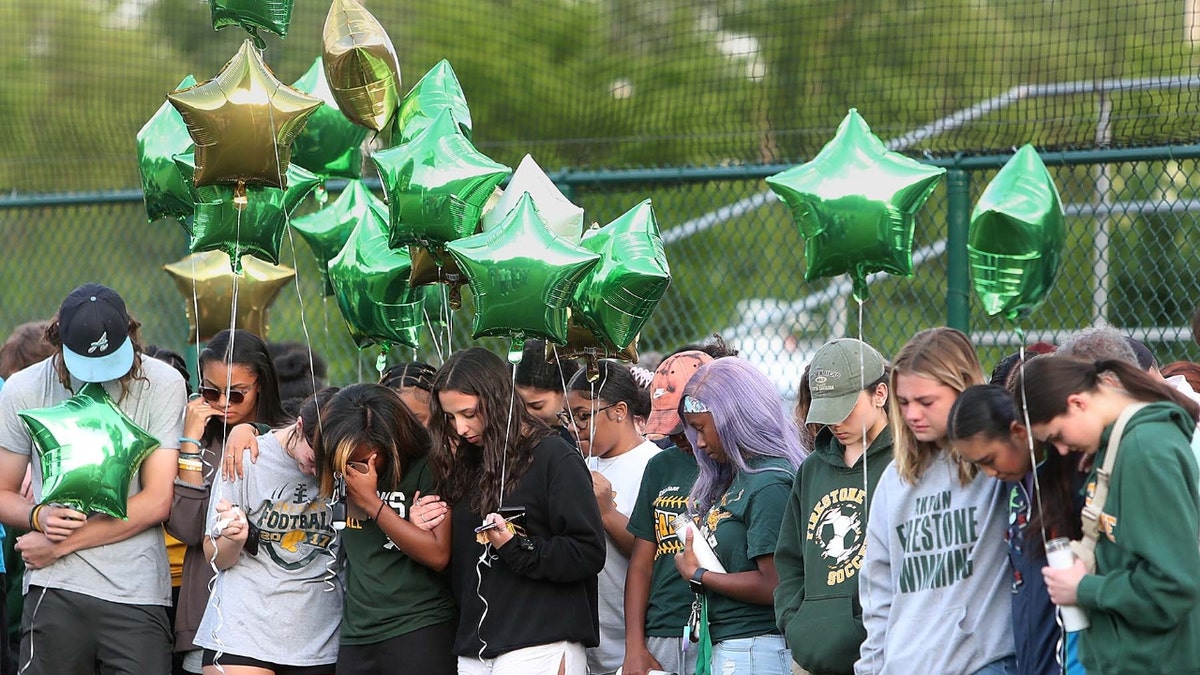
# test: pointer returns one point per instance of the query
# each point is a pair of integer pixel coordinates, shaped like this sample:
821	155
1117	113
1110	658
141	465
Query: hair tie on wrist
379	510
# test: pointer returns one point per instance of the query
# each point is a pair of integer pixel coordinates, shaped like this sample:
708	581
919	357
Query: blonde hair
947	357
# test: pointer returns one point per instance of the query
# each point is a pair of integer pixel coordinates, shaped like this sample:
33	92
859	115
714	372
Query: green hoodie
820	553
1143	599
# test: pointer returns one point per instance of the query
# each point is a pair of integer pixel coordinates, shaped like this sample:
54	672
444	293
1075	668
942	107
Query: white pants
538	660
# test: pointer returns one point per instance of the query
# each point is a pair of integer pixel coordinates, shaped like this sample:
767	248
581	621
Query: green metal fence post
958	292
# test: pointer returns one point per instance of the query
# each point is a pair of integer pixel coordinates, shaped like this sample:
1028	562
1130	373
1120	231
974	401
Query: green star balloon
162	137
855	203
437	184
522	276
89	451
618	295
256	228
330	144
438	90
1016	237
253	16
327	230
370	282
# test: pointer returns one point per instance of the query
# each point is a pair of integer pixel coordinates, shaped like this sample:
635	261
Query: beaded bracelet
186	439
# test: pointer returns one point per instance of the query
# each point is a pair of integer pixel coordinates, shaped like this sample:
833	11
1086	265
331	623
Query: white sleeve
875	582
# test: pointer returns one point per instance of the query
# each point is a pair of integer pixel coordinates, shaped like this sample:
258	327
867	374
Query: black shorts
234	660
425	651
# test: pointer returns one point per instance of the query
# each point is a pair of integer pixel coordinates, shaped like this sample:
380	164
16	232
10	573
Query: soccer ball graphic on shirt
839	533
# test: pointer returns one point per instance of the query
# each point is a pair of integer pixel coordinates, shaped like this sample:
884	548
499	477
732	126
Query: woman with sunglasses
602	412
748	450
238	384
525	581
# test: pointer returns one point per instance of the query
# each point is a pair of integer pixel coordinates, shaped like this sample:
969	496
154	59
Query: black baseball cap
94	327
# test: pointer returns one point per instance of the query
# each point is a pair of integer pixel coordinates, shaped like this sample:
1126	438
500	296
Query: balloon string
435	338
449	326
512	402
562	377
287	225
196	316
866	590
33	617
594	462
1037	483
862	375
312	366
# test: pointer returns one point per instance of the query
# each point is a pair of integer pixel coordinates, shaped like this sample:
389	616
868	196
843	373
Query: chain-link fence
736	258
636	83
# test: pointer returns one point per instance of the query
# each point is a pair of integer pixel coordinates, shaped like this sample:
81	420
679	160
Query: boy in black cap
97	587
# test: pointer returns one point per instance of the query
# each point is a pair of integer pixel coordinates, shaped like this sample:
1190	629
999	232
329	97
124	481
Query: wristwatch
695	582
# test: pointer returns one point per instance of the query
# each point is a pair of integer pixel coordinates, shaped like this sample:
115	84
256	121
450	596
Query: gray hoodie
934	586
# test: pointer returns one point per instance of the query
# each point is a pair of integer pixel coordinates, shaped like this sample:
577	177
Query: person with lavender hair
748	450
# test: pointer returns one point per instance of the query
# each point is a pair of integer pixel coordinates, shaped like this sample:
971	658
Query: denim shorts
761	655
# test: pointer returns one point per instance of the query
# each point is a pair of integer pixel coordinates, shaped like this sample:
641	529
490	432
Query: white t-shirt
133	571
625	473
283	605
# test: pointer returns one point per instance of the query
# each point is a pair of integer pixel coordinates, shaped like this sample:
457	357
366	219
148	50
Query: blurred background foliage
610	85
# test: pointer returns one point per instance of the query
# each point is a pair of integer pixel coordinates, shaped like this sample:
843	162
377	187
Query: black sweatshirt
541	585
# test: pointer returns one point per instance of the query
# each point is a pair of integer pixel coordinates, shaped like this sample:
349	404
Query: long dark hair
373	416
463	469
1045	382
989	411
242	348
615	384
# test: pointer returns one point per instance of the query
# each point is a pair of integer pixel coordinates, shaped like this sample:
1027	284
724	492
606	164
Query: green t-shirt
741	526
663	495
388	593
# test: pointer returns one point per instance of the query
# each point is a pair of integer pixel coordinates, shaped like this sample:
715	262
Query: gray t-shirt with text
284	604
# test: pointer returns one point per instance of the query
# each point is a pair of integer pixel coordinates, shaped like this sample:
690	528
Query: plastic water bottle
1060	556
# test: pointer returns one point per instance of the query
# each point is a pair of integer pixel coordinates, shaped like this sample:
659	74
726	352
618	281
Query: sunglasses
234	396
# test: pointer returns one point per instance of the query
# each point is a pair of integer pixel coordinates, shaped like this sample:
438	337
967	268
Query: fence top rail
681	175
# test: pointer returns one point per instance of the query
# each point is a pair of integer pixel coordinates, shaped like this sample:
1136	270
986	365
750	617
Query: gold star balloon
361	66
243	122
206	282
